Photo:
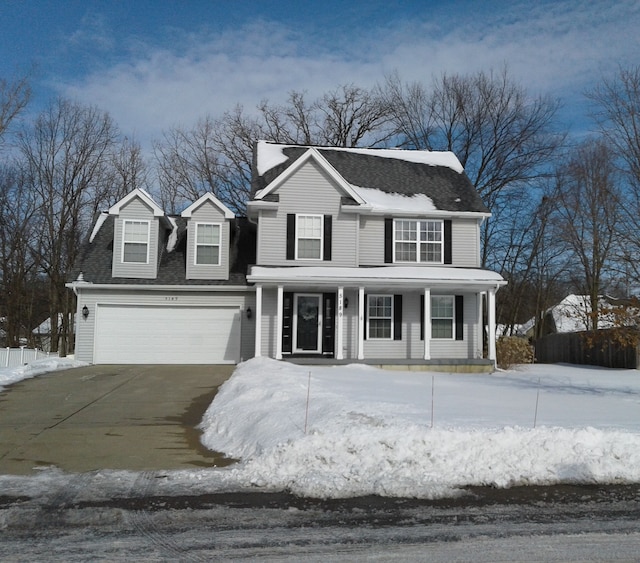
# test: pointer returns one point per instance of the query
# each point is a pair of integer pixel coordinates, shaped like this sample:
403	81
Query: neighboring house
366	255
42	334
572	315
154	288
369	254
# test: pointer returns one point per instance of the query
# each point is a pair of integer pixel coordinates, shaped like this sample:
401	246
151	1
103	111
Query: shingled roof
449	189
96	257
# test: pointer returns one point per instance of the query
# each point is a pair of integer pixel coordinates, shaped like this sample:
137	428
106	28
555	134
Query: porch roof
407	277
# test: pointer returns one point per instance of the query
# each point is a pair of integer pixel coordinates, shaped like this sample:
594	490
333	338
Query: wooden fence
577	348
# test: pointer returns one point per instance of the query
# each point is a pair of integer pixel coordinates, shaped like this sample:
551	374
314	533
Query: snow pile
13	375
374	432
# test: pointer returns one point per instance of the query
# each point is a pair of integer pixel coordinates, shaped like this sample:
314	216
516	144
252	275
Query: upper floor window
418	241
135	242
380	316
309	231
207	244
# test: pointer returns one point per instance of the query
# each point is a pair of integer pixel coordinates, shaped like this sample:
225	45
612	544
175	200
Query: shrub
512	350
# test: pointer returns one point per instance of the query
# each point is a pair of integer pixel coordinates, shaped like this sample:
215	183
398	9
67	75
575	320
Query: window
309	229
418	241
442	316
135	242
380	316
207	244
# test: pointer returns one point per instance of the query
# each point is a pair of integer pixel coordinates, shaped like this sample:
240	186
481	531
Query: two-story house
347	255
369	255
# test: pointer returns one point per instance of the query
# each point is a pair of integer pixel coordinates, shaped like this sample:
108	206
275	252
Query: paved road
108	417
525	524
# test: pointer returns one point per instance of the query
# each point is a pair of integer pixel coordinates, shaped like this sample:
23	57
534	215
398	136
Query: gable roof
228	214
377	175
141	194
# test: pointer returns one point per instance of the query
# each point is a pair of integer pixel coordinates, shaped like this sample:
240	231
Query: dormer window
418	241
135	242
207	244
309	230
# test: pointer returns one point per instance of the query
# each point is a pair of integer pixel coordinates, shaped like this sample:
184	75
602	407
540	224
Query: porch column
361	326
339	355
279	308
480	317
491	323
427	324
258	346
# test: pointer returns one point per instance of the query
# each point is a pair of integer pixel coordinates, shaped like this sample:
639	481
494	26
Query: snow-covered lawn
13	375
370	431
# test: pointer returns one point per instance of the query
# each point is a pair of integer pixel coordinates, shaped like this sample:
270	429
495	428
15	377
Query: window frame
197	244
125	222
320	238
451	318
390	317
417	242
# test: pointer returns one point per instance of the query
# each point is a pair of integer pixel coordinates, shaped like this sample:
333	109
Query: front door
307	322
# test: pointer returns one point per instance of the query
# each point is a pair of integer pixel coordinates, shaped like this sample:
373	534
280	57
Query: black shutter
287	322
447	242
328	323
422	317
397	317
366	315
327	237
459	317
388	241
291	236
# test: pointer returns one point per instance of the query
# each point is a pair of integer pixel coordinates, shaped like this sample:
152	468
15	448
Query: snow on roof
99	222
173	236
390	202
272	154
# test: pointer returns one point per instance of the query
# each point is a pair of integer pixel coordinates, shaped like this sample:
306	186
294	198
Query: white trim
188	212
125	241
418	243
491	324
258	333
453	318
279	307
436	214
297	237
361	328
390	318
141	194
339	354
314	154
196	244
78	286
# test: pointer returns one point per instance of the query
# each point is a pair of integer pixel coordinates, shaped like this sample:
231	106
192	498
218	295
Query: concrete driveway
137	417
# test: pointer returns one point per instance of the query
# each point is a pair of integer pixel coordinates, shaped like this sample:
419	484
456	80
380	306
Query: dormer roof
228	214
142	195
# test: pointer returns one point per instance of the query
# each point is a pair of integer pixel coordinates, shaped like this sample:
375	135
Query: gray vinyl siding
410	347
465	237
309	191
208	213
135	210
85	328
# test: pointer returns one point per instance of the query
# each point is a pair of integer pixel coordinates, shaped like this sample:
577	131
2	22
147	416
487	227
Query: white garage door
127	334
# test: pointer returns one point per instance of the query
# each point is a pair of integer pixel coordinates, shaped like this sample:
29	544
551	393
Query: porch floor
439	365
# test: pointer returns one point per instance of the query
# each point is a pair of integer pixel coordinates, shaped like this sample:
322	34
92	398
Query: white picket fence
14	357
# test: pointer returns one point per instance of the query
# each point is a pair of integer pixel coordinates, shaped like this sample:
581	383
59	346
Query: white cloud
557	48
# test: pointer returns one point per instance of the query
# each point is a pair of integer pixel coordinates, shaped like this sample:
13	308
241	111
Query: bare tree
503	137
217	154
67	155
14	96
588	207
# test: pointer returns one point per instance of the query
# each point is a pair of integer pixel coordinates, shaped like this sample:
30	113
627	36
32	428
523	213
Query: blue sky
156	64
